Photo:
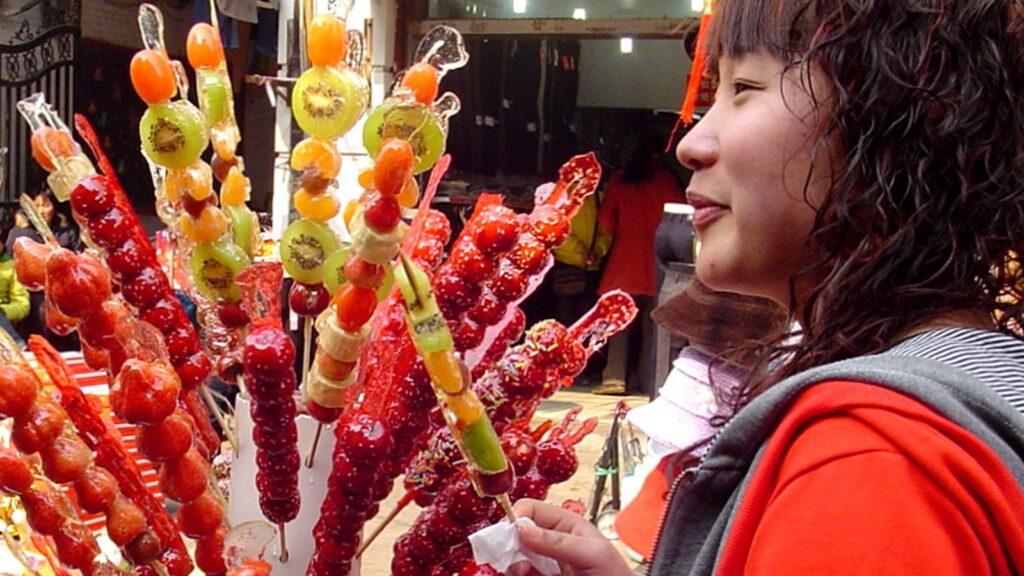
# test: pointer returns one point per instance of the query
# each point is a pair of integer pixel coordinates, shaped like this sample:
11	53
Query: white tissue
498	545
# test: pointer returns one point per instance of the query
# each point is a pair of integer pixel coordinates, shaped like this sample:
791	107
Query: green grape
214	267
173	135
408	121
243	227
305	246
327	102
214	95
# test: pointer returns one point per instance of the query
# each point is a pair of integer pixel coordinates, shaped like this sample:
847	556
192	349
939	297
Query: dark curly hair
925	118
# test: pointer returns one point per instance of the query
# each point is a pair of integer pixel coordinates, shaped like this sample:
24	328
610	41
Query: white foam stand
244	499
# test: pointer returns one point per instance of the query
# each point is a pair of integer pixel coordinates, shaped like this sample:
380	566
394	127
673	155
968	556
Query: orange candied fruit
195	180
350	212
328	42
235	189
393	166
422	79
203	47
365	178
319	154
410	194
320	207
49	141
209	227
152	76
354	306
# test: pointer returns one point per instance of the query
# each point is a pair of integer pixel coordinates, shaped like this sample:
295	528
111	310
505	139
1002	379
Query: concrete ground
377	558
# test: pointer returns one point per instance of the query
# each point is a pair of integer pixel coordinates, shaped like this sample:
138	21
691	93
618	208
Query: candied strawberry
76	546
95	358
201	516
194	370
275	388
442	528
496	230
474	569
414	544
281	465
508	283
364	274
95	489
437	225
147	392
56	321
463	503
406	566
38	427
30	262
469	335
280	510
147	288
456	294
308	299
65	458
167	440
489	310
130	258
232	315
229	368
209	553
520	449
470	263
15	476
428	251
17	391
125	521
111	228
381	212
556	461
367	438
268	350
93	195
346	472
529	254
181	344
183	480
43	509
531	485
99	327
549	225
76	284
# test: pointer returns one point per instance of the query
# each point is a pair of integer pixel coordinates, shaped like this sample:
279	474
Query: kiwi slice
327	102
243	227
214	96
214	267
408	121
334	269
174	134
304	248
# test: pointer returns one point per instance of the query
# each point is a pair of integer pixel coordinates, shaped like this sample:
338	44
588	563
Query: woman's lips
705	211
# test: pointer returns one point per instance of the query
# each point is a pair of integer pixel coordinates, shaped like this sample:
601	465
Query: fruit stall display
420	365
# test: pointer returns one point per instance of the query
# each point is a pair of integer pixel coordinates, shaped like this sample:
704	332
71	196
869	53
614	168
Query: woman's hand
578	547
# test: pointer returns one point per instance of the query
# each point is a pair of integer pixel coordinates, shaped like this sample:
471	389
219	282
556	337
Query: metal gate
39	43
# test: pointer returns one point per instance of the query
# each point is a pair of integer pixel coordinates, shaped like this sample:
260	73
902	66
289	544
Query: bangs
780	28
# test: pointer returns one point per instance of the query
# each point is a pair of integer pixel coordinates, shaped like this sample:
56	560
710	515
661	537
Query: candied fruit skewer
112	455
463	412
53	147
459	511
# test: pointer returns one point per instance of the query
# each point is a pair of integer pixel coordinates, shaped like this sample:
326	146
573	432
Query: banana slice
373	246
339	343
325	391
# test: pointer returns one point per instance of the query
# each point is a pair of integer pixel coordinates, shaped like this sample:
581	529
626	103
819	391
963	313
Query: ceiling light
626	45
519	6
697	5
579	14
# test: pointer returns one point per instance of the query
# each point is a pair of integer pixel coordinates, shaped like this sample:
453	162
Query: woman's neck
978	319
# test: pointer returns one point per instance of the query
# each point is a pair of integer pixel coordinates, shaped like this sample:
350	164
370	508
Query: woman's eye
741	87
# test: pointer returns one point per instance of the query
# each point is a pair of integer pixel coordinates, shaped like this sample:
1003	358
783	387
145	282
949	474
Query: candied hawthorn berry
322	413
93	195
76	546
148	392
167	440
95	489
367	438
423	80
65	458
15	476
152	76
95	358
496	230
111	228
532	485
364	274
556	461
549	225
454	293
181	343
529	254
76	284
17	391
30	262
393	166
489	310
201	516
146	289
221	167
308	299
194	370
470	263
232	315
38	427
194	208
508	283
183	480
99	327
143	549
165	315
469	335
43	509
443	529
209	553
405	566
268	350
203	47
463	503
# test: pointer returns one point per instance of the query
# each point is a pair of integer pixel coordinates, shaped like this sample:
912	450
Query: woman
861	166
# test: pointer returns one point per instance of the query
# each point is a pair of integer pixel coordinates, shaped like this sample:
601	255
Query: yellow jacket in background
582	239
14	300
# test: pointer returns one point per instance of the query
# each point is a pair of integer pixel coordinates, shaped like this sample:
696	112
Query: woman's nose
697	149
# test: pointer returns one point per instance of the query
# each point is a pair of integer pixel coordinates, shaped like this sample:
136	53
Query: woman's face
751	156
45	207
